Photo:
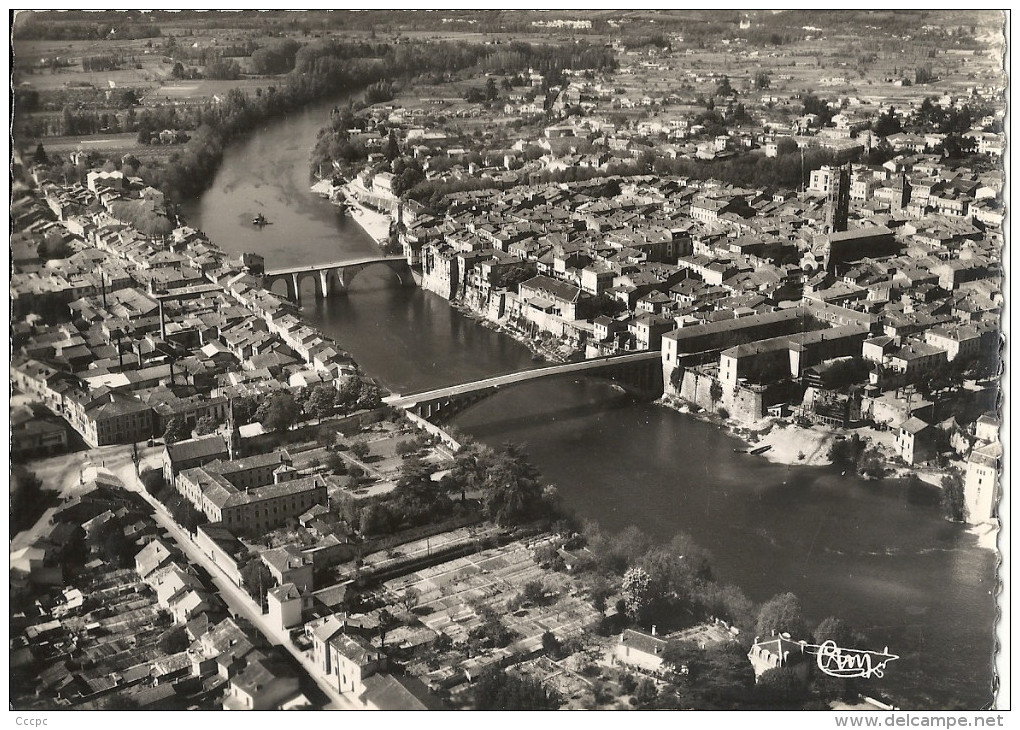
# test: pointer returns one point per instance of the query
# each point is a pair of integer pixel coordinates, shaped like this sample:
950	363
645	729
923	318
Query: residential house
913	440
778	651
191	453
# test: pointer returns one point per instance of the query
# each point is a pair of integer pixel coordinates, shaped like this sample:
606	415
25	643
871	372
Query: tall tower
907	191
233	433
839	200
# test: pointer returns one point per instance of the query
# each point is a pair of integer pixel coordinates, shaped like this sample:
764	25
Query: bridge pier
333	278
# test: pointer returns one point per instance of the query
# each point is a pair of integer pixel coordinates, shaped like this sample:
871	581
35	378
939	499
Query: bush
336	464
360	450
871	464
953	497
405	448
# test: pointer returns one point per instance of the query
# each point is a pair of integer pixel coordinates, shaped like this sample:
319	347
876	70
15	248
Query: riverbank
539	349
777	442
374	223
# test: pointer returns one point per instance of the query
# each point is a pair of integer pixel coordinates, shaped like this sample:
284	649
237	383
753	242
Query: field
181	90
450	594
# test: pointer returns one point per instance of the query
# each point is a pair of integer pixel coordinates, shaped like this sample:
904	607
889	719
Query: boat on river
259	220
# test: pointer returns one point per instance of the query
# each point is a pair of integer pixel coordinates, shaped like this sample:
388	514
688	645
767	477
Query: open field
114	143
188	89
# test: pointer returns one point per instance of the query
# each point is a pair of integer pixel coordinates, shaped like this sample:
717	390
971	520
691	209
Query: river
878	555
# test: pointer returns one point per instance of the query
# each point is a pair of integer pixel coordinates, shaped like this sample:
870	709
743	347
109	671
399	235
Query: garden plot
453	594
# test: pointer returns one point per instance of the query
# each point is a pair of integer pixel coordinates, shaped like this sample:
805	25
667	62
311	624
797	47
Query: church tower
839	201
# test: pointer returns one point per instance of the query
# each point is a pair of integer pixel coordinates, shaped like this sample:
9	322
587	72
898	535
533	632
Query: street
67	475
236	598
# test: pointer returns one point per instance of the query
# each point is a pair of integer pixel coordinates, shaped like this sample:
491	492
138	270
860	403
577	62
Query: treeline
673	586
37	27
511	488
433	194
205	55
520	56
104	62
751	170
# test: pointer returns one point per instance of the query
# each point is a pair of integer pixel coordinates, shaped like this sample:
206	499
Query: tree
636	590
392	148
117	548
279	413
781	686
491	92
40	157
718	677
321	401
387	622
127	98
781	614
174	641
846	452
257	579
953	502
153	481
410	598
513	492
54	246
206	425
497	689
336	464
406	447
838	631
646	692
550	644
887	124
762	80
728	603
715	391
360	449
176	430
599	593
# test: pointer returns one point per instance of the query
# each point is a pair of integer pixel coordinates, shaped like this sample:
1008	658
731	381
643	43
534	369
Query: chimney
653	629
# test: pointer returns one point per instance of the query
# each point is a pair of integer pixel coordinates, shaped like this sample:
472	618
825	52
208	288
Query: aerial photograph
508	360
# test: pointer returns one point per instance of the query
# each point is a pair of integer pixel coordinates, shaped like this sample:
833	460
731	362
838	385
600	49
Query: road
67	475
404	401
334	264
119	463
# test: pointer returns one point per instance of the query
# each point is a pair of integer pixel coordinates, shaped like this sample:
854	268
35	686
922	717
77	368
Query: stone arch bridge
336	276
639	372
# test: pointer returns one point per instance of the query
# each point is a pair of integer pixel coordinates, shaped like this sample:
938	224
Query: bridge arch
303	276
281	286
398	268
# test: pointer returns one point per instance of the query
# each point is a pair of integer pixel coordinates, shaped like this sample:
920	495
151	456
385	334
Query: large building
252	495
845	246
788	356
